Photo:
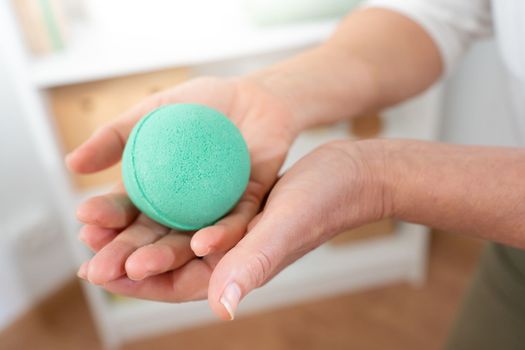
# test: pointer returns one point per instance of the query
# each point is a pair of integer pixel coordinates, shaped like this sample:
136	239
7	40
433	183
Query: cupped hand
338	186
130	246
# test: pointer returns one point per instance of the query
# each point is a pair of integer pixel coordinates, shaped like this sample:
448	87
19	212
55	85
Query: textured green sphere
185	165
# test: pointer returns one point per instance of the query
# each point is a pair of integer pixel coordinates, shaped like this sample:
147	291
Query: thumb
268	247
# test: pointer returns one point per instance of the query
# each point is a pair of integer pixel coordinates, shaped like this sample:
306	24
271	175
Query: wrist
321	86
361	187
282	85
376	181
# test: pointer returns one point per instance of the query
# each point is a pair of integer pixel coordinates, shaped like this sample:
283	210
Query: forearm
375	58
473	190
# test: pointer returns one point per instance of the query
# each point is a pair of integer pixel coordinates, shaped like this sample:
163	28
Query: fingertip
199	248
72	162
92	275
221	310
82	271
147	261
82	235
84	212
136	276
225	305
206	240
101	150
99	273
220	237
78	160
135	269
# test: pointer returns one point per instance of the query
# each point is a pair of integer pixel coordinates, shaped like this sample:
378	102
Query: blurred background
67	66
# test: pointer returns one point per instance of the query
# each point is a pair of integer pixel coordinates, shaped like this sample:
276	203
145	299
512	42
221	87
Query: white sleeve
452	24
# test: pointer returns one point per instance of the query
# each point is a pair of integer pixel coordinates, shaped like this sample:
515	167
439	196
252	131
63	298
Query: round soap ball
185	165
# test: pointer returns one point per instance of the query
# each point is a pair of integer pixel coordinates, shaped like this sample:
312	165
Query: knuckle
114	133
254	193
259	267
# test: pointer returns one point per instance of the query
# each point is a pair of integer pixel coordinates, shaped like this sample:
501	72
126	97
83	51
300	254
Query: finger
104	148
254	221
108	263
262	253
82	271
168	253
96	237
227	232
188	283
112	210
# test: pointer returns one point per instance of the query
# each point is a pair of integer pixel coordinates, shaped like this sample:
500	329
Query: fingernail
230	298
82	271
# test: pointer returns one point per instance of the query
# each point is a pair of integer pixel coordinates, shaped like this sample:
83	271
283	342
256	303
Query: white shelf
94	55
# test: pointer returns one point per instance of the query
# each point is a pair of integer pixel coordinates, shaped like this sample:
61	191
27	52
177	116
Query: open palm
139	257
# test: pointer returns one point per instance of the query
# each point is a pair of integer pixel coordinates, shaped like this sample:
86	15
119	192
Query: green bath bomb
185	166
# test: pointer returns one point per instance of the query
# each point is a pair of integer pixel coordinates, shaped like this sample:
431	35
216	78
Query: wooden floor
396	317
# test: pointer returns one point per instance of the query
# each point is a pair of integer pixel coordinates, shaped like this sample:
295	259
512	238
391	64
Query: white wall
476	105
33	255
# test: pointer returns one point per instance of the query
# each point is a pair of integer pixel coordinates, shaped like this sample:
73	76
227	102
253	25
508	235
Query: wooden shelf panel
81	109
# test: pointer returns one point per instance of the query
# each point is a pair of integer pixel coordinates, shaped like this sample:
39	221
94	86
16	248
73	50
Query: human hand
340	185
131	246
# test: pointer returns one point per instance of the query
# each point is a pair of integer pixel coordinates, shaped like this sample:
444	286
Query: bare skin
130	244
376	58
